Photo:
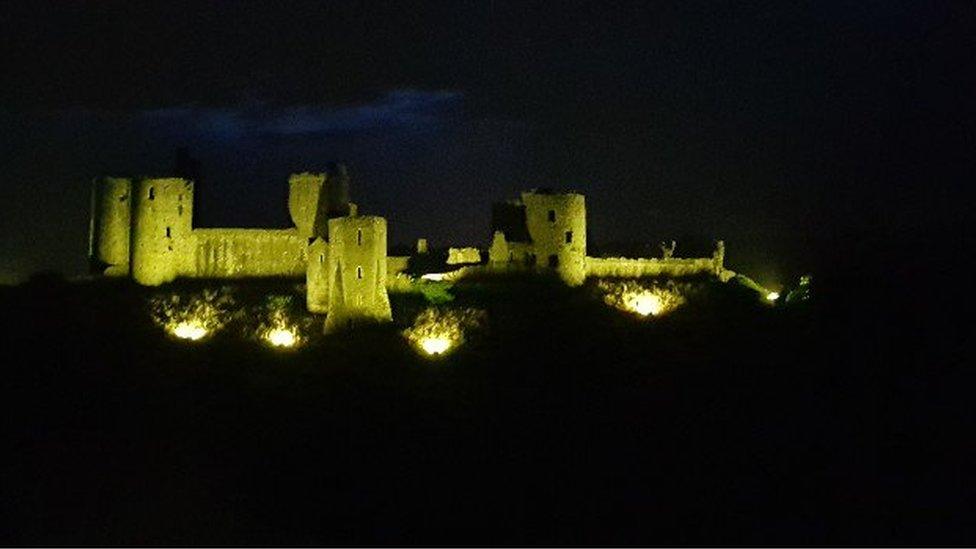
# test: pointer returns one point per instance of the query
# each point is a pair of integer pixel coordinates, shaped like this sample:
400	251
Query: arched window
152	193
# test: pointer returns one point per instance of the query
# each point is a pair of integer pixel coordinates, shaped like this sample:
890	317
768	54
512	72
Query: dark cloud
392	111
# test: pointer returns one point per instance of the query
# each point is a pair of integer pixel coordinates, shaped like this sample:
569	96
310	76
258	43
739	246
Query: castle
143	228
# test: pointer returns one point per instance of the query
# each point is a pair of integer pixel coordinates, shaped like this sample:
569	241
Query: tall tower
108	248
314	198
357	272
304	194
557	225
162	223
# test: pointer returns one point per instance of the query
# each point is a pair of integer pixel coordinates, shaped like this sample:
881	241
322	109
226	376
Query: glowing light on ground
191	317
435	277
281	337
645	304
435	345
438	331
772	296
193	331
641	299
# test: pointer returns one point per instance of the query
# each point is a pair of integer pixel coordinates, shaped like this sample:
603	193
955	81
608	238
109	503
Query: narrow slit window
569	237
152	193
169	233
321	259
552	216
359	237
359	272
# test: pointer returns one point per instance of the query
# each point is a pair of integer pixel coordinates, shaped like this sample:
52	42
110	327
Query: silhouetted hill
562	422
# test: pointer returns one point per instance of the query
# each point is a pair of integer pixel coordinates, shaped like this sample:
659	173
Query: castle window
359	272
359	237
179	210
552	216
168	233
553	261
152	193
321	259
569	237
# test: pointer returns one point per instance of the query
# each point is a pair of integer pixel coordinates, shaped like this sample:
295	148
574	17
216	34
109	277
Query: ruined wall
317	277
557	225
498	251
456	256
110	225
396	264
162	212
623	267
245	253
357	272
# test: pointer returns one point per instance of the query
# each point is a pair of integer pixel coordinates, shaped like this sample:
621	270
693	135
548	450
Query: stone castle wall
633	268
244	253
557	226
162	212
357	272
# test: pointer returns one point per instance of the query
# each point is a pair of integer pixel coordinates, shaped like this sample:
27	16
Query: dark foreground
565	422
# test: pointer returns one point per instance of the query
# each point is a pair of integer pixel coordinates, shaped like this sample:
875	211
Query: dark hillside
562	421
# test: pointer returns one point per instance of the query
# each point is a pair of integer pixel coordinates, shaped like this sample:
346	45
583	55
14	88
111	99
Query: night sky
786	128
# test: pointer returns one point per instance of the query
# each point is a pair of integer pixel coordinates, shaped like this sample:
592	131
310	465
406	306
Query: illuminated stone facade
542	230
545	230
143	228
356	272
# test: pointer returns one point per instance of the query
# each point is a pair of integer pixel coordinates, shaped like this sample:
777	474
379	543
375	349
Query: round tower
108	251
357	272
557	226
161	228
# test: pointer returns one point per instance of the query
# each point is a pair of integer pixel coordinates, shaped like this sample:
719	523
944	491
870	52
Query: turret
109	230
304	192
557	225
357	272
162	214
